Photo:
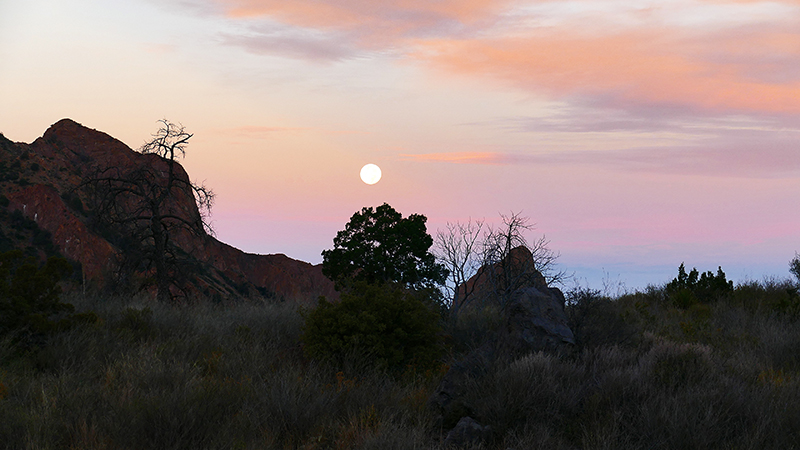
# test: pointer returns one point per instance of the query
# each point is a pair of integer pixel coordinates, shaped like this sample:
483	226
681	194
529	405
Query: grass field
646	374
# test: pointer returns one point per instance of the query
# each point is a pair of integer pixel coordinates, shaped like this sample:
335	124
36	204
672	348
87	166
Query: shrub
29	295
596	320
691	288
30	304
387	323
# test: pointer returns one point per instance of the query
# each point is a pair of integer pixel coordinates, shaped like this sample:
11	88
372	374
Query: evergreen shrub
389	324
30	295
694	287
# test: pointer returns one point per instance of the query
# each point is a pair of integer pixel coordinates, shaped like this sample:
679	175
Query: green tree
379	246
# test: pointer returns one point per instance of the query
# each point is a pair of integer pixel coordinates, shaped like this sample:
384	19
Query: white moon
370	174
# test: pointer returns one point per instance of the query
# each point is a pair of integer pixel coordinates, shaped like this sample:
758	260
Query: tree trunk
159	260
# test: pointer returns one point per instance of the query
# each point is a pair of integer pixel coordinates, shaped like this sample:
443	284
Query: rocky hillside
45	209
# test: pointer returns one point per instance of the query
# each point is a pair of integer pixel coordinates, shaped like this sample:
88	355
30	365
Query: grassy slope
646	375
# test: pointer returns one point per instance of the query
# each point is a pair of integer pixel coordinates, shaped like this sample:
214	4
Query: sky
634	135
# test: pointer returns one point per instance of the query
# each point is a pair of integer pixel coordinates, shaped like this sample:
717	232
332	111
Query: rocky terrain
46	209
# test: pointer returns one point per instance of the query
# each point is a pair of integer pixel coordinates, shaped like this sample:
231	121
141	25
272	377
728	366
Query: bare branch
457	249
498	260
167	141
150	208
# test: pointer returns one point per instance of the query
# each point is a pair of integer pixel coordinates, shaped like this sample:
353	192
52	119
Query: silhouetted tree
458	249
379	246
152	205
794	266
688	289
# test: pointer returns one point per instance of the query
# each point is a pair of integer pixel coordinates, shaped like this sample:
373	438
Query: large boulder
500	279
535	321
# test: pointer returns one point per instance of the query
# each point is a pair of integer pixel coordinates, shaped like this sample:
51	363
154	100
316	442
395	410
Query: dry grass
722	375
200	377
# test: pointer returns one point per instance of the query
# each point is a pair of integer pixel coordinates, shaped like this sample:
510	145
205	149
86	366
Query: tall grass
645	374
199	377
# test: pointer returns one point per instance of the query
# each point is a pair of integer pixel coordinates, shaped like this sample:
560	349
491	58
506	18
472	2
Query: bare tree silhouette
151	206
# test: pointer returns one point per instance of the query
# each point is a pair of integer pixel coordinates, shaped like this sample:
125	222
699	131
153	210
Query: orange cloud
322	12
597	51
637	67
741	155
377	22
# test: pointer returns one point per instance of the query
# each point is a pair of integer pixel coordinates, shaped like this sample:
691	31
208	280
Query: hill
45	208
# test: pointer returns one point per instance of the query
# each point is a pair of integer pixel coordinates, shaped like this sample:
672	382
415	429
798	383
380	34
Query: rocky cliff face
43	180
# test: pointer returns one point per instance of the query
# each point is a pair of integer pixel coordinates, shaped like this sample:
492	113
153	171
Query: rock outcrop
43	181
533	320
467	433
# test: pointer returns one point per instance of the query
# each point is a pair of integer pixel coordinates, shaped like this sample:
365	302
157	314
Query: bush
30	295
691	288
386	323
597	320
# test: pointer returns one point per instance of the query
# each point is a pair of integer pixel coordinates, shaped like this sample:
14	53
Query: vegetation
387	313
141	208
391	325
379	245
30	297
474	249
153	375
696	363
794	267
725	374
689	289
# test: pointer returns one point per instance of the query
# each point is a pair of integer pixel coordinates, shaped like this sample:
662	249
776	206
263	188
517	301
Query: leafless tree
490	255
458	248
151	206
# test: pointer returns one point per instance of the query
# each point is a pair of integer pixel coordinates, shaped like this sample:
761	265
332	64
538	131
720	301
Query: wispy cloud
263	132
589	118
270	38
633	69
747	159
378	21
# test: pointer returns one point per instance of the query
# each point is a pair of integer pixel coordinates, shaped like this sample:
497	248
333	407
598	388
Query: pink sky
636	135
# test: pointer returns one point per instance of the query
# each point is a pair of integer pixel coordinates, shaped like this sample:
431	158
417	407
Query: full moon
370	174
